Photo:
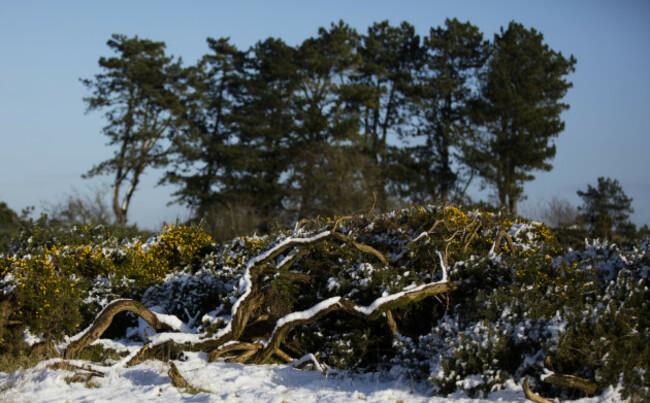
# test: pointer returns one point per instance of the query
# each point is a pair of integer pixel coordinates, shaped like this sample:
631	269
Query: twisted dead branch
228	340
105	318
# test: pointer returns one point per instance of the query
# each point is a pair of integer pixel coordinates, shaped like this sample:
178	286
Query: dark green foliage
607	208
520	109
442	95
277	133
205	157
9	224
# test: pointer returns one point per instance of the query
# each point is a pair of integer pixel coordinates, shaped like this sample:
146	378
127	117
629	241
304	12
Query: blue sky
48	141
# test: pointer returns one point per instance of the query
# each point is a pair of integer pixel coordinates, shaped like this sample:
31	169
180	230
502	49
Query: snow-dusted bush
585	310
521	297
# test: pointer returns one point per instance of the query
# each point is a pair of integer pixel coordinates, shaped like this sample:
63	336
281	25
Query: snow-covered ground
224	382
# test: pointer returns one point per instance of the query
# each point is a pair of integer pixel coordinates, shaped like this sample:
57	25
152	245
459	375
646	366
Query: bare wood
176	377
406	298
435	224
264	354
104	319
285	357
71	367
572	382
471	236
532	396
254	299
280	332
392	325
511	244
139	357
243	358
362	247
497	241
218	352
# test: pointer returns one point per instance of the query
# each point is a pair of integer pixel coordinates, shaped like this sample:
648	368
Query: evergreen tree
522	93
139	90
443	94
327	170
390	55
606	207
203	151
265	124
9	224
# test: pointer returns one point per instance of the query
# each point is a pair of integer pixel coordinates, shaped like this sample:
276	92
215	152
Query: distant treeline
276	133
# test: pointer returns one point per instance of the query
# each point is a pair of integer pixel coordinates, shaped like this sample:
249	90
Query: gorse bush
58	279
522	297
586	311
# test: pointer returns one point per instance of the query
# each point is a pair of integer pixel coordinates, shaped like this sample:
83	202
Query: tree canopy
276	132
522	96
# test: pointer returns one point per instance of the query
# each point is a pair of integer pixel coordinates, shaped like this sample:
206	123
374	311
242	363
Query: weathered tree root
104	319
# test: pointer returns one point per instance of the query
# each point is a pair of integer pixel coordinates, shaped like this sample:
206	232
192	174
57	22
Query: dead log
569	381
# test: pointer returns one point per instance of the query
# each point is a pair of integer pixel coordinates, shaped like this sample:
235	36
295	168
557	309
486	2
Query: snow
224	382
368	310
308	313
303	315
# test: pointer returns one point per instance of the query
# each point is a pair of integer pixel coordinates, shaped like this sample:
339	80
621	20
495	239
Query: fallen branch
230	347
371	312
572	382
567	380
532	396
227	339
64	365
104	319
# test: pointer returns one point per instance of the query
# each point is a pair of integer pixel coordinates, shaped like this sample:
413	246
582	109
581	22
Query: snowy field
224	382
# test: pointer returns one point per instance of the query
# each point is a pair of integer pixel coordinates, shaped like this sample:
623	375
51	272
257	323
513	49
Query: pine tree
605	208
443	94
139	90
203	152
265	124
327	169
390	55
522	92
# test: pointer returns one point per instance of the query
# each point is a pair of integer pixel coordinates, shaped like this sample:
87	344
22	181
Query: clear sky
47	140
